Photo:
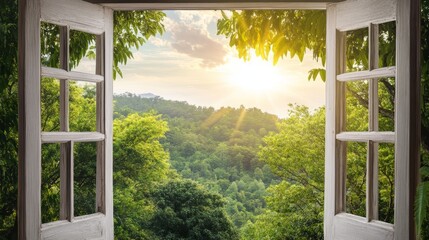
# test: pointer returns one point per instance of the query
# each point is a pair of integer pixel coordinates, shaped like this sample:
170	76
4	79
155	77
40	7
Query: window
374	27
58	141
96	19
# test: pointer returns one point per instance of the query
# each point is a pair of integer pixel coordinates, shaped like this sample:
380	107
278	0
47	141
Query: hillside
217	148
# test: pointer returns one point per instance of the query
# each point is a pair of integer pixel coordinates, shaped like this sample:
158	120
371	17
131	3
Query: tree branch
384	112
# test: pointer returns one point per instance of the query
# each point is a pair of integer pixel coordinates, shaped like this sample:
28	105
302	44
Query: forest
190	172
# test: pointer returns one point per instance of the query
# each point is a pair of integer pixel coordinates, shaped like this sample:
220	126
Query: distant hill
147	95
243	118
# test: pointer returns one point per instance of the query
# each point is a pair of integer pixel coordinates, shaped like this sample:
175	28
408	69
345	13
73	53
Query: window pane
356	178
386	96
83	114
386	181
82	52
50	104
387	44
50	188
50	45
357	50
357	106
85	166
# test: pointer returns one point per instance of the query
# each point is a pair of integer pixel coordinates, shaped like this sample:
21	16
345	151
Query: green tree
279	32
140	162
422	203
185	210
296	154
199	152
8	118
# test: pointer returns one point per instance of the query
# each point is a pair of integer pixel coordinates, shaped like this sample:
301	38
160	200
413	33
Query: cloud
187	32
199	19
197	44
159	42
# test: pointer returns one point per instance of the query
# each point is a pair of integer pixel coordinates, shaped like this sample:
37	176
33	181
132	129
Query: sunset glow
255	75
191	63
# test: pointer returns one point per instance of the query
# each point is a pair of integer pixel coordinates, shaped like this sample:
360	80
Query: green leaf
421	205
424	172
323	74
312	74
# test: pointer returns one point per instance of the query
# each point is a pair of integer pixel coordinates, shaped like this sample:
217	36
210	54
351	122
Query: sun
255	75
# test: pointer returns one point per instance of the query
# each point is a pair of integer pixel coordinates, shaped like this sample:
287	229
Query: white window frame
84	17
366	13
407	135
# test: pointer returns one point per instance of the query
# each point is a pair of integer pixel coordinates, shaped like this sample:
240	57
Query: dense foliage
8	117
140	162
296	154
185	210
217	148
422	205
278	193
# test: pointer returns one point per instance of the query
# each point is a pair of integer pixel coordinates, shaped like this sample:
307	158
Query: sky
190	62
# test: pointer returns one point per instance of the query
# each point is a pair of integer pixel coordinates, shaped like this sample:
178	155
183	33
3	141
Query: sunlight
255	75
240	119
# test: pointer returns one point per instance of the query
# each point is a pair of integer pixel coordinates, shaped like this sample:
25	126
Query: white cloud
189	34
159	42
169	24
199	19
196	44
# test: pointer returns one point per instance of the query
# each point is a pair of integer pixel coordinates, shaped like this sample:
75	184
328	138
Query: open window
64	21
345	16
363	19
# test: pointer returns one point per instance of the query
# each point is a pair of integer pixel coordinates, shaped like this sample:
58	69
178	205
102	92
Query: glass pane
85	167
83	114
387	44
386	98
50	45
386	181
356	178
357	106
82	52
50	188
50	104
357	50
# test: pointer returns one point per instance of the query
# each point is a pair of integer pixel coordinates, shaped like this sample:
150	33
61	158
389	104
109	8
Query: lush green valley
217	148
269	171
188	172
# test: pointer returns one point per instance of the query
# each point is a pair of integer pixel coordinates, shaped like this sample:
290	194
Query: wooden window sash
372	137
70	226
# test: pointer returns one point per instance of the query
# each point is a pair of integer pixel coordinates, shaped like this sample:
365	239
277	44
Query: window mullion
372	156
100	112
64	88
66	176
341	153
66	159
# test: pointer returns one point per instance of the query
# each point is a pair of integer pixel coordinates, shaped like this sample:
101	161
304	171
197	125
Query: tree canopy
185	210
